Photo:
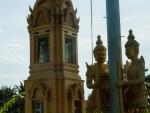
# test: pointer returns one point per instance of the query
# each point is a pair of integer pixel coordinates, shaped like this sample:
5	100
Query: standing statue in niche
136	91
41	53
43	50
97	79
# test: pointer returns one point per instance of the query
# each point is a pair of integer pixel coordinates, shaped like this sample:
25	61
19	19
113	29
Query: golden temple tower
54	84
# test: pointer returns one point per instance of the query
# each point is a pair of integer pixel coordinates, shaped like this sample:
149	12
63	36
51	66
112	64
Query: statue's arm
89	76
90	82
123	82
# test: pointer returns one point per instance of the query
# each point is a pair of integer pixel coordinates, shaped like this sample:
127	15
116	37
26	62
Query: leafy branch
6	106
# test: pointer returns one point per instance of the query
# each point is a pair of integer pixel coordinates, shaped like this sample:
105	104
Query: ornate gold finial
131	40
131	36
99	41
99	45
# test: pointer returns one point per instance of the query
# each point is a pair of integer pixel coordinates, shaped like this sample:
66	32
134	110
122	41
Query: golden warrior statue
136	91
97	79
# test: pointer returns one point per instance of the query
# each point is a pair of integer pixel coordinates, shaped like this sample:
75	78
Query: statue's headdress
131	40
99	46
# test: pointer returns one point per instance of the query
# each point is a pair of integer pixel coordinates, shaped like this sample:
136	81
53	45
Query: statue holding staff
97	79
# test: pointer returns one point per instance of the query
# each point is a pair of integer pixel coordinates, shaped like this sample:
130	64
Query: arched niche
38	97
76	98
76	92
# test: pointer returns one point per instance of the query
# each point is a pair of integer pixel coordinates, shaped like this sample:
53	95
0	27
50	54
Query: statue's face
131	52
100	56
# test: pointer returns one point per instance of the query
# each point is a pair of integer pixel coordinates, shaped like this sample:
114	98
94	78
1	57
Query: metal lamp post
114	54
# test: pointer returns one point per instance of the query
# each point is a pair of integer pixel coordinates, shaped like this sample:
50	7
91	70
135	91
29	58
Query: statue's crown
131	40
99	45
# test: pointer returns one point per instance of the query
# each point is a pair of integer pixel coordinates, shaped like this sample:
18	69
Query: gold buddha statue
97	79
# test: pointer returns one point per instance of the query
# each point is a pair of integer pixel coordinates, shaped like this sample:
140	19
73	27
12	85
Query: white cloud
15	46
14	79
1	30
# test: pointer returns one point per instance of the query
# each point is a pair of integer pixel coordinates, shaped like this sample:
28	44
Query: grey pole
114	53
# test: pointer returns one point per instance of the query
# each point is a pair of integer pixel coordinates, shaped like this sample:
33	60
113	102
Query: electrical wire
91	6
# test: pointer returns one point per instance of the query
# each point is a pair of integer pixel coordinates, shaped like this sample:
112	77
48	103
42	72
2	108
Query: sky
14	37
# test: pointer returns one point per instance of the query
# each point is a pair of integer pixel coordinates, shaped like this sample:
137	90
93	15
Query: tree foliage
12	99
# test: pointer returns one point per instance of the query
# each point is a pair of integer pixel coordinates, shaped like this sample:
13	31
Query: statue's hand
96	84
121	83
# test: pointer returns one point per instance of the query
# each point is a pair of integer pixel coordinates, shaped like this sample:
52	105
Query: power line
91	6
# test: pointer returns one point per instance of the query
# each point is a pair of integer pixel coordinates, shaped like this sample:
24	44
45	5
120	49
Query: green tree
6	93
19	105
12	99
